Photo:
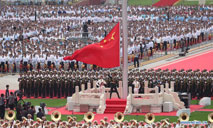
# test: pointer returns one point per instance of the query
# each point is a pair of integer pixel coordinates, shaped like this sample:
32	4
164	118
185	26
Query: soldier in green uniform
55	86
66	84
77	80
35	83
21	81
51	86
43	93
39	83
59	81
62	83
32	89
113	85
47	79
130	81
29	84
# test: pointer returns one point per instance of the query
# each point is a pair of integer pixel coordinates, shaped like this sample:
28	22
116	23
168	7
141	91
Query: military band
62	83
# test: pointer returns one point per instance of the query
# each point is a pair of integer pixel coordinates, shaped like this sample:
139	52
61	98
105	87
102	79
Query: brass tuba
210	117
89	117
10	115
149	118
56	116
119	117
184	116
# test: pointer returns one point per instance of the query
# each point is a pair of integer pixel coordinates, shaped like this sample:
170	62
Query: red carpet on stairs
162	3
115	105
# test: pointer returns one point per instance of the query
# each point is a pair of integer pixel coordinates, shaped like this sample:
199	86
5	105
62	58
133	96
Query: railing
157	98
93	97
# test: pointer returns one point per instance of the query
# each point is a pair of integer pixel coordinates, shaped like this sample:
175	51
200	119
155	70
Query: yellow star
113	36
105	41
101	46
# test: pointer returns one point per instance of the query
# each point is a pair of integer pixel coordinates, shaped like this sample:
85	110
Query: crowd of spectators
38	34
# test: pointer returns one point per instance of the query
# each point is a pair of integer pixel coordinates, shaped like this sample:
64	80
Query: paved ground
10	80
13	80
176	57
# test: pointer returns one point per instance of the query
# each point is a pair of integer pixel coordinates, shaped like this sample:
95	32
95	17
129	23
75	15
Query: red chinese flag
105	54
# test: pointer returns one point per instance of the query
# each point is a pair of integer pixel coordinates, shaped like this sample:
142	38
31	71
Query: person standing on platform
42	61
34	61
11	101
7	92
136	59
25	61
32	111
113	86
3	63
2	106
40	114
101	82
136	84
49	62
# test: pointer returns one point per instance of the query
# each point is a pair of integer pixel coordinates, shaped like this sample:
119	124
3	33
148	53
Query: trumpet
39	119
10	115
56	116
133	122
70	119
102	122
149	118
210	117
184	117
165	123
119	117
89	117
24	120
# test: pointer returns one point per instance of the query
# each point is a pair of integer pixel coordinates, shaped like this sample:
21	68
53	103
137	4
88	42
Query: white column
125	44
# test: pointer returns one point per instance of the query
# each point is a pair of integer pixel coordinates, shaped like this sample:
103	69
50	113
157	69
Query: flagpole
125	44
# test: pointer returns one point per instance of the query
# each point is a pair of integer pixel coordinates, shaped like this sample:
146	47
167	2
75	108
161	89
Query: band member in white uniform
25	62
1	63
57	62
18	61
49	62
136	84
100	83
42	61
34	61
11	62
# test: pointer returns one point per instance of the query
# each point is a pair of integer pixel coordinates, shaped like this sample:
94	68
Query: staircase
115	105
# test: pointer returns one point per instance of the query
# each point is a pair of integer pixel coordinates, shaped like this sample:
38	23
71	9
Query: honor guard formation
62	83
